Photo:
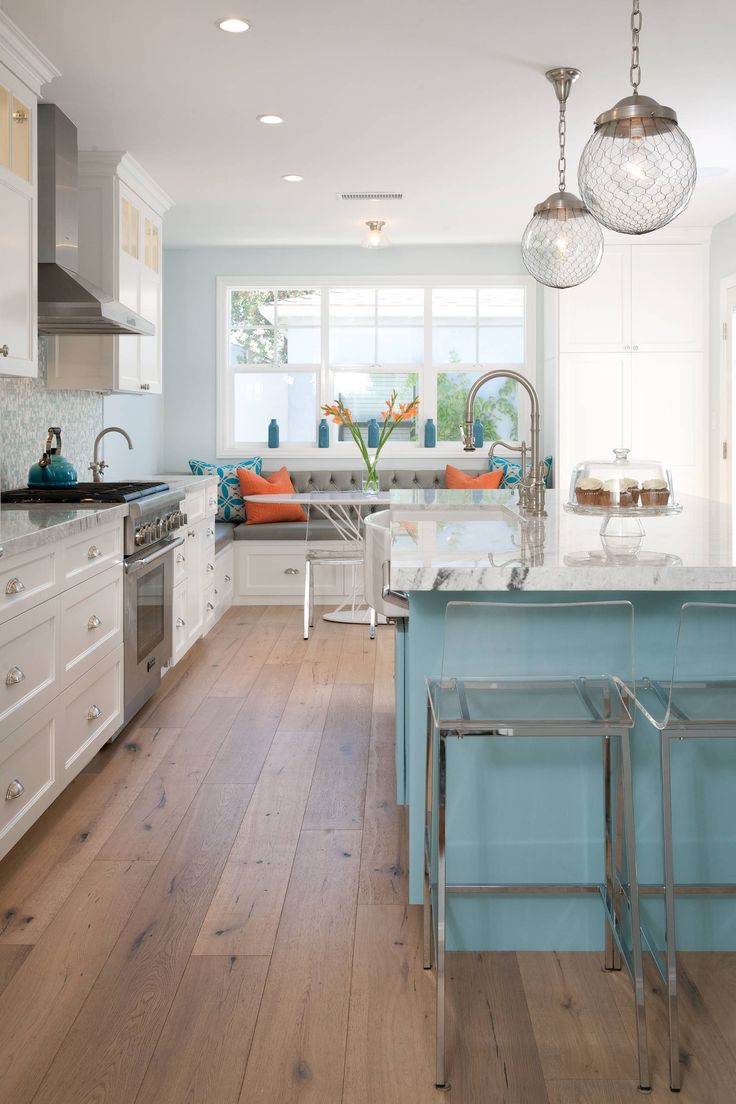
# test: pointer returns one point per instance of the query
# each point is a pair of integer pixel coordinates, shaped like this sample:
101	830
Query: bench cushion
319	529
224	532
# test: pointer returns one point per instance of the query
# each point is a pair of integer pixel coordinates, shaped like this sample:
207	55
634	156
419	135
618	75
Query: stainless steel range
149	543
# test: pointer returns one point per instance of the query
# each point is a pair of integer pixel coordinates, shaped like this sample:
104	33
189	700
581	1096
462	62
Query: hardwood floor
215	912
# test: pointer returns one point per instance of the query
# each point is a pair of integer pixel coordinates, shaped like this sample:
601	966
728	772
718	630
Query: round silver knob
291	571
180	622
210	607
210	567
227	578
15	789
14	586
94	622
180	557
140	537
93	553
14	677
93	713
4	350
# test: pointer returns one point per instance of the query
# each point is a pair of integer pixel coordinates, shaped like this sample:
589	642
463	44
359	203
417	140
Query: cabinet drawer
195	503
92	553
91	621
27	776
26	580
91	713
276	572
224	575
28	663
180	563
180	613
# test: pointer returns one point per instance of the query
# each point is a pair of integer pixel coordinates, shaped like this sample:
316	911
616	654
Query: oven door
149	586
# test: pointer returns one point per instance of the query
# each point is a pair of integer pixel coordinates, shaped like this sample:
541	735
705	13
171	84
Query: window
282	352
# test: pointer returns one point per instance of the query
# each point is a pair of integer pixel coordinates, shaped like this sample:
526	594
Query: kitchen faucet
531	484
97	467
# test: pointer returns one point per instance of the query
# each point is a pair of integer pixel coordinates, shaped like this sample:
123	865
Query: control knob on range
140	536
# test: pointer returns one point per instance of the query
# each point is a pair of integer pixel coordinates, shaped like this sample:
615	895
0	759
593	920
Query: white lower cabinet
267	570
29	663
91	712
180	611
27	775
198	597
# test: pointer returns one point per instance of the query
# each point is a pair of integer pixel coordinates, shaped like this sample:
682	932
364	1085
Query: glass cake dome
622	485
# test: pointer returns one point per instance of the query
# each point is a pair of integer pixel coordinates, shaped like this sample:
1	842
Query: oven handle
134	565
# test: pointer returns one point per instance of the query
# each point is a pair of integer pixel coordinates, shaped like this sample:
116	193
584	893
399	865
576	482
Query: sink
377	551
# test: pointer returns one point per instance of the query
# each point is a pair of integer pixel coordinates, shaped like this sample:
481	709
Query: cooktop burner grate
85	492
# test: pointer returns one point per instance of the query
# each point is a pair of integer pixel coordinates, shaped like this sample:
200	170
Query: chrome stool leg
612	959
427	903
307	592
373	623
441	905
669	908
636	952
311	597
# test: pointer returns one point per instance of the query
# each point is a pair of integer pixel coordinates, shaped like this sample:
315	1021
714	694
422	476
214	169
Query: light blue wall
189	314
143	417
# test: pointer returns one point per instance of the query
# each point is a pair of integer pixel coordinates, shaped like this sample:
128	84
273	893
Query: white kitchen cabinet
195	570
121	213
631	368
643	298
23	72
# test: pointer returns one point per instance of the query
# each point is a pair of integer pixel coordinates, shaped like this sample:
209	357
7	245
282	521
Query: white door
668	302
596	315
594	406
669	416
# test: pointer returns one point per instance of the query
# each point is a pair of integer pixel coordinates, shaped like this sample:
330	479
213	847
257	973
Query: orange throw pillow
456	480
258	513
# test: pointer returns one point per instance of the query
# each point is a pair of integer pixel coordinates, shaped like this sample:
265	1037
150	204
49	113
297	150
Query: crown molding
106	163
22	57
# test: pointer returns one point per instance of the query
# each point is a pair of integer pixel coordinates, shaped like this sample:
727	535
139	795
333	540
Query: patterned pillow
230	505
512	470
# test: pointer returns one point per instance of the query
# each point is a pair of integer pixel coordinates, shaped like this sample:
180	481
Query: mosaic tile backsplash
28	408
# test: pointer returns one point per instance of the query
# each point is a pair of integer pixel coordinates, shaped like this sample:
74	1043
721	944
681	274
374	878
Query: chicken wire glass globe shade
637	171
562	245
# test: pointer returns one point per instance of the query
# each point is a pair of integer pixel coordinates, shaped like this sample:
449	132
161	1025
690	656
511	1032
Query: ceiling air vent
363	196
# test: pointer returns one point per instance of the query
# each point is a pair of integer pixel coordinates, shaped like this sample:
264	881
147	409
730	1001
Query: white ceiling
444	101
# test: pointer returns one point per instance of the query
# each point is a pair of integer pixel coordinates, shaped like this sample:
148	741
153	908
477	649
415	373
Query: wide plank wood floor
215	912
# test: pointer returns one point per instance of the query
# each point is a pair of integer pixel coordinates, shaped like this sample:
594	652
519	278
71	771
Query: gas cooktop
85	492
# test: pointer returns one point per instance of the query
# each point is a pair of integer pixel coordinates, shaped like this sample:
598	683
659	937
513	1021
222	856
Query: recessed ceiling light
270	120
293	178
233	24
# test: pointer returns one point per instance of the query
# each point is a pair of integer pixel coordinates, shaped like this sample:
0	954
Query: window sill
348	456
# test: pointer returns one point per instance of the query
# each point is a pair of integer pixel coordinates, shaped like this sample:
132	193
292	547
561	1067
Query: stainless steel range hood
67	303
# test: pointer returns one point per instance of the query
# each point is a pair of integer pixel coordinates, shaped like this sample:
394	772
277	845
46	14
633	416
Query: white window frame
427	372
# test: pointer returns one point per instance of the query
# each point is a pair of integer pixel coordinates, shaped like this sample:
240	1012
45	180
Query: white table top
478	541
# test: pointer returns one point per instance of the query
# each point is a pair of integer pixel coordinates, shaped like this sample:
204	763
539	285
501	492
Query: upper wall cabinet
23	70
121	213
643	298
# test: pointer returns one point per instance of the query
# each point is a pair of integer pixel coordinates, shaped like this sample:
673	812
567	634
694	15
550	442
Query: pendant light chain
635	71
561	161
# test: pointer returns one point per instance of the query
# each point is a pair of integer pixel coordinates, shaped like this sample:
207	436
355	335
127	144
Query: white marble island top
478	541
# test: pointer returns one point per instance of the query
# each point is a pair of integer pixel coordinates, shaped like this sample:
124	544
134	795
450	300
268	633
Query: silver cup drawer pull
93	552
210	607
14	586
210	532
291	571
93	713
227	579
210	567
180	557
180	623
14	676
94	622
15	789
4	350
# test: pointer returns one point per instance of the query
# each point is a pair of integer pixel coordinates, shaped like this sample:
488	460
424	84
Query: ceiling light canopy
292	178
270	120
374	237
233	24
562	245
637	172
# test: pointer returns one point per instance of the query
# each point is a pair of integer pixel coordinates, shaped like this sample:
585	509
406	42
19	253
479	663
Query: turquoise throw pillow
512	470
230	505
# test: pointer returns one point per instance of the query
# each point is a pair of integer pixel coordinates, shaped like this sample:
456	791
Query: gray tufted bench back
391	479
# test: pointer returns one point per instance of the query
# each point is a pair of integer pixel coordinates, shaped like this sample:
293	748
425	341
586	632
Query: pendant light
562	245
637	171
374	236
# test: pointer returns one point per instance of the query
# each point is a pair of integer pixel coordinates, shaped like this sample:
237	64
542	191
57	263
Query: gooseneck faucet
531	484
97	467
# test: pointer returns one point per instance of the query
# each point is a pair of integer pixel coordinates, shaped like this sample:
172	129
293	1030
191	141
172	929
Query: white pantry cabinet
23	71
632	361
121	213
194	604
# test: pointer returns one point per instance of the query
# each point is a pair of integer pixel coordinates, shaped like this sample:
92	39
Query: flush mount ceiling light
637	171
292	178
269	120
562	245
233	25
374	237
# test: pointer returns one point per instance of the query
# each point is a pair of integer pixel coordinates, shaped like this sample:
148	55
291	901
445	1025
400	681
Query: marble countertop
25	527
478	541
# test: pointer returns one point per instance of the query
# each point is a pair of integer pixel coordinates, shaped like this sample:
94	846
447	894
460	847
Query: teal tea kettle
52	470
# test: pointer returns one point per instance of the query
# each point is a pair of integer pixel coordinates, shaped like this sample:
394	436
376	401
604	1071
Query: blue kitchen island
531	810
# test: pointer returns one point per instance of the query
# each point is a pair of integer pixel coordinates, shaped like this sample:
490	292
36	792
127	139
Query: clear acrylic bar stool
531	670
347	525
699	702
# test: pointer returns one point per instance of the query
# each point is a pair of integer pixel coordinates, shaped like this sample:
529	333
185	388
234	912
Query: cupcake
616	493
587	492
633	489
654	492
